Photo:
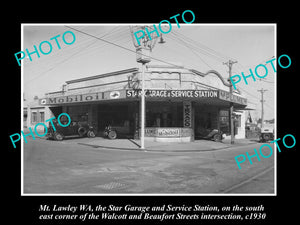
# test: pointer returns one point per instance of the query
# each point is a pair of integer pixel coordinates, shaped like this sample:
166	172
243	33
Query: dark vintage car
266	134
209	134
121	130
80	129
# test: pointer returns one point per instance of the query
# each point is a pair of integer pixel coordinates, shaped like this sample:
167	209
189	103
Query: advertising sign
173	93
224	95
168	132
187	114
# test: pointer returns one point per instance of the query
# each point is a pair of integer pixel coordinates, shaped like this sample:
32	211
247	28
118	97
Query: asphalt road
52	167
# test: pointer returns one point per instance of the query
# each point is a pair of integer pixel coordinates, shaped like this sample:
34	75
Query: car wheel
81	131
91	134
58	136
266	137
112	134
217	137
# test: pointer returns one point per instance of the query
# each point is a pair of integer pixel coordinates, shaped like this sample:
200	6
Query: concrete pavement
132	144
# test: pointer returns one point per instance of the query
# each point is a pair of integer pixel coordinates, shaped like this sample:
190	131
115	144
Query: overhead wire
194	52
205	48
225	58
125	48
201	51
270	82
118	45
112	43
68	57
128	49
57	56
243	69
81	46
256	98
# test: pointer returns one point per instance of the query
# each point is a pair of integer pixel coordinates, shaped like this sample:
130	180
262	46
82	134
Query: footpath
131	144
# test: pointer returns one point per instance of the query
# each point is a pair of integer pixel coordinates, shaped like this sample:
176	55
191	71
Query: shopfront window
164	114
34	117
78	113
224	121
237	120
115	115
42	116
206	119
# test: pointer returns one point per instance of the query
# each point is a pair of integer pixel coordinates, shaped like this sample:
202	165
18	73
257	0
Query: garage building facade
180	103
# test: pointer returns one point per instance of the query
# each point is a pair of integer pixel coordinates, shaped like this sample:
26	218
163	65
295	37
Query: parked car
266	134
120	130
209	134
75	128
110	132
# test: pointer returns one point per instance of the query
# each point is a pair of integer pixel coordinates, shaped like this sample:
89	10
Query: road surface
66	167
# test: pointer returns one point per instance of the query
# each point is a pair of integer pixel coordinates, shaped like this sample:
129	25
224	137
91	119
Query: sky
195	46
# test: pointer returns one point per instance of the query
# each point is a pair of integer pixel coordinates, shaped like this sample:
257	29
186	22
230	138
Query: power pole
229	64
262	105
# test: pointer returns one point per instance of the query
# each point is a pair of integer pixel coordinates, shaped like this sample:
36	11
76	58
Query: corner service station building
180	103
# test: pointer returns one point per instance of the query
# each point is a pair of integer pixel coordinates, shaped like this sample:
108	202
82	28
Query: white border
157	194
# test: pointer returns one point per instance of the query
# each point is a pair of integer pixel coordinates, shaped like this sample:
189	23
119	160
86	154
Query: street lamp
143	52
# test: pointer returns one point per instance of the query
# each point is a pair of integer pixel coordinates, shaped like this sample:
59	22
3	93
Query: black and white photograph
149	109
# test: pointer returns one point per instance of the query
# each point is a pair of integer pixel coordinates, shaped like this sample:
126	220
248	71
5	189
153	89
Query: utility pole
229	64
262	105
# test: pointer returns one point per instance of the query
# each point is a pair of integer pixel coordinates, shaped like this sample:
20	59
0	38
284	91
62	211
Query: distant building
34	112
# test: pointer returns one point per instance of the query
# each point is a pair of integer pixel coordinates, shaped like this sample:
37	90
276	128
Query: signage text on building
187	114
173	93
224	95
72	99
121	94
167	132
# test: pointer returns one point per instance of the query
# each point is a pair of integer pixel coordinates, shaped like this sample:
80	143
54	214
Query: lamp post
143	52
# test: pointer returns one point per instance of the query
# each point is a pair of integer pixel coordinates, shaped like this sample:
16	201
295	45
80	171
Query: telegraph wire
249	93
192	51
256	98
111	43
125	48
69	57
242	67
81	46
201	50
209	50
270	82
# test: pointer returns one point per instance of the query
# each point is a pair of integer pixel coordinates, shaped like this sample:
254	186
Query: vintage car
75	128
266	134
120	130
209	134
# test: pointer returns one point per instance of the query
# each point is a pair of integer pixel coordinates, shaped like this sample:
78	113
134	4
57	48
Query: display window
164	114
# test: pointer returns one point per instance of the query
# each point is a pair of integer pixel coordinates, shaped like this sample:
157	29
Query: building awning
218	97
